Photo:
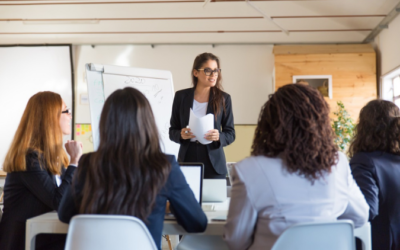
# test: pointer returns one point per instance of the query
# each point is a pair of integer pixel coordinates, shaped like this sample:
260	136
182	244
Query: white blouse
266	199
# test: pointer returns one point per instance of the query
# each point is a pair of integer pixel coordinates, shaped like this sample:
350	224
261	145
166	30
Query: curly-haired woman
295	173
375	164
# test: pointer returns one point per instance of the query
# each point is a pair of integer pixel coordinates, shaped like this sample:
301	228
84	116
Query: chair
105	232
318	235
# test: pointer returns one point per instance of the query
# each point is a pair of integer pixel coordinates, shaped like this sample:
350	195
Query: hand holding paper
200	126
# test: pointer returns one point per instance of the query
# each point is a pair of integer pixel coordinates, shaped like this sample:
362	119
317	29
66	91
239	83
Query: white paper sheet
200	126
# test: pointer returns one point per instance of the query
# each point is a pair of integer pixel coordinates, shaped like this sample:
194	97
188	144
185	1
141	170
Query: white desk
49	223
209	240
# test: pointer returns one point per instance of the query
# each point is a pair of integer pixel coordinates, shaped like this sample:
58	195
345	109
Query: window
396	90
390	86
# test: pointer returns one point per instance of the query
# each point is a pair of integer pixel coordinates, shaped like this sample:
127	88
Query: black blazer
28	194
183	102
378	175
182	201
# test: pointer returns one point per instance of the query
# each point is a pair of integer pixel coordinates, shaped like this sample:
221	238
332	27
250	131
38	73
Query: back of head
39	130
128	169
378	128
294	123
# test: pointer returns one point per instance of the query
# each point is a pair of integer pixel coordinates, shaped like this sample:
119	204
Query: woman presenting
206	97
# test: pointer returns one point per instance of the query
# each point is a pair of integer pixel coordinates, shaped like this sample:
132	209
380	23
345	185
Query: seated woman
36	177
375	165
129	174
295	173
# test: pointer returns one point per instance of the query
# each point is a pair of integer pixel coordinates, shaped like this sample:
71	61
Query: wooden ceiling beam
174	18
63	2
174	32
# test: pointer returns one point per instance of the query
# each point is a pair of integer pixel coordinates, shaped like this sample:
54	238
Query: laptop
193	172
214	190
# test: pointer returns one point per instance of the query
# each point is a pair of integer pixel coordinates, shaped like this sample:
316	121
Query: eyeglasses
209	71
67	111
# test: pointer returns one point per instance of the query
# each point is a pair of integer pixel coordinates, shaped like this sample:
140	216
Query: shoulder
342	165
374	159
85	158
364	158
32	155
227	98
183	92
175	177
251	166
32	160
174	164
226	95
83	166
341	157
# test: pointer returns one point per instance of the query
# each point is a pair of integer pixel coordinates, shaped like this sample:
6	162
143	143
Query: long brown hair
39	130
128	170
378	129
217	89
295	123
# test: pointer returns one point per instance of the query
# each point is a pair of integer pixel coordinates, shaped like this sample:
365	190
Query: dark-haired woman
129	174
295	173
375	164
206	97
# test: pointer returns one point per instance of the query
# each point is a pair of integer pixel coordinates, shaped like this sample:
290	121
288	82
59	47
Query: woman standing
129	174
375	165
206	97
36	174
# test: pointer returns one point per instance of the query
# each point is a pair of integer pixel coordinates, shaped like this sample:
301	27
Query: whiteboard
246	71
156	85
24	71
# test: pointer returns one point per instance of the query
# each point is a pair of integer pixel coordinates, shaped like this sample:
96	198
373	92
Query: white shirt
58	180
266	199
58	177
200	110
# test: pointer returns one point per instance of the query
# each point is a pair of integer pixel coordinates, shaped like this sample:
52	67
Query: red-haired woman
35	165
375	165
206	97
295	173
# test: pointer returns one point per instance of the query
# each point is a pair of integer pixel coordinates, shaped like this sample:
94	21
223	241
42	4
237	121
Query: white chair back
318	235
106	232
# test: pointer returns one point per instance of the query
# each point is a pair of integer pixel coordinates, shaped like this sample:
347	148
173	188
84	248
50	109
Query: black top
28	194
183	102
182	201
378	175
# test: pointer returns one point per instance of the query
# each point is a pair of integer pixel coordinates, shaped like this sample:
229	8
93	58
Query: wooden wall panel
323	49
353	74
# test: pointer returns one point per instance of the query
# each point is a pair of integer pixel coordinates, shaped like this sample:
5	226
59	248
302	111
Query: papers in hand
200	126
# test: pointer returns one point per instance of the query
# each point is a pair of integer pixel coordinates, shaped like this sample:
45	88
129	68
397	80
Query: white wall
246	70
388	42
25	71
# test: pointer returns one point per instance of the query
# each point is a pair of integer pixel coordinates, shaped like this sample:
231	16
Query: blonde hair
39	130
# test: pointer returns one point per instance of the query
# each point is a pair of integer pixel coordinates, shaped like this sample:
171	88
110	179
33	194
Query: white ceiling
187	21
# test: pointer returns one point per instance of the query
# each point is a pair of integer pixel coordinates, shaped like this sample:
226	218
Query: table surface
49	223
170	226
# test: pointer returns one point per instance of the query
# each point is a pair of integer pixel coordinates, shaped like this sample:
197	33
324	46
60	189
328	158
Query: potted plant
343	127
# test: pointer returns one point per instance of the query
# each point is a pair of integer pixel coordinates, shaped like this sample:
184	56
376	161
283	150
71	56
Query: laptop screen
193	173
